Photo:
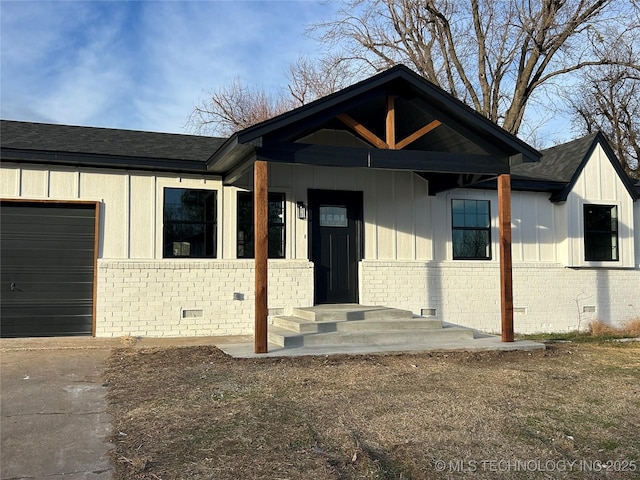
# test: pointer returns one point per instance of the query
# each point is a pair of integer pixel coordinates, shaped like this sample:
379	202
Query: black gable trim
600	139
398	80
387	79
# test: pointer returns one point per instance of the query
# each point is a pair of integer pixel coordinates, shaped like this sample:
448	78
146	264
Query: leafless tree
608	99
310	80
236	106
233	107
611	103
494	55
498	56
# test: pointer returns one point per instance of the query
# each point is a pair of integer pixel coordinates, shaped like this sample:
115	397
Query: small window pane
457	206
470	220
333	216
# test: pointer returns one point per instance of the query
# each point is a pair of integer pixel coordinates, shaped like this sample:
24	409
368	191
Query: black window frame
457	227
598	237
277	213
172	223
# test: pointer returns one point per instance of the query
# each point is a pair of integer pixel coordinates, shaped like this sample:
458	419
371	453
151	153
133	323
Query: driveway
53	412
53	407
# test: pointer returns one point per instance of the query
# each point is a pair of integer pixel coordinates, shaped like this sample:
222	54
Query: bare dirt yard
572	411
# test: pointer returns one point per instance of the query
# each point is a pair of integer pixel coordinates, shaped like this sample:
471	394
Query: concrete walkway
481	342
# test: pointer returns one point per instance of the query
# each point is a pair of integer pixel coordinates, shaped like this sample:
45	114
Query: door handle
13	286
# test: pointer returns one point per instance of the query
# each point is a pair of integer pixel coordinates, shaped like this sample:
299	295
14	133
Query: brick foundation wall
199	298
547	296
192	298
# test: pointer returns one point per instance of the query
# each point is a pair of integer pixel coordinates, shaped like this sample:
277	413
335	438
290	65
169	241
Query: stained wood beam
391	122
261	248
361	130
417	134
506	279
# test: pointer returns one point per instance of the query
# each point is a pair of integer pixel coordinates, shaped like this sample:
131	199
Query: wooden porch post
391	123
506	279
261	248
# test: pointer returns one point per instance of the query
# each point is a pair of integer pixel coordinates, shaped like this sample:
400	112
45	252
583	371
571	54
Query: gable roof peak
398	80
572	157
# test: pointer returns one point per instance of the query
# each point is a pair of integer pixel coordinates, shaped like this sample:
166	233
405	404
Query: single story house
384	193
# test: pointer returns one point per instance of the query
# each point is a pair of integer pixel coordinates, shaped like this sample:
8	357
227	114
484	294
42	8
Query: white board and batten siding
599	183
397	220
636	223
407	251
401	222
131	202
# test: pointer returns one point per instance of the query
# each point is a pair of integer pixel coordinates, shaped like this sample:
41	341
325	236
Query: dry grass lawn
195	413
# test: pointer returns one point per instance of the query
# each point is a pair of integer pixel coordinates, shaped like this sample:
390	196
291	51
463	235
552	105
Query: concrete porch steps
350	324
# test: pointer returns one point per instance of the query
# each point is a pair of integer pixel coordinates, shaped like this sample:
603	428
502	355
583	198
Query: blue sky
142	65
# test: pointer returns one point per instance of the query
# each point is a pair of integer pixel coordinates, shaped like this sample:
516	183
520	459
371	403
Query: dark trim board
419	161
104	161
38	254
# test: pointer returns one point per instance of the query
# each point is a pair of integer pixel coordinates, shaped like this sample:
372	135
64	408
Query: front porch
393	123
359	329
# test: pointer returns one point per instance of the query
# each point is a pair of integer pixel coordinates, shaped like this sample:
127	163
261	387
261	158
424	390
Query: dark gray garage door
47	258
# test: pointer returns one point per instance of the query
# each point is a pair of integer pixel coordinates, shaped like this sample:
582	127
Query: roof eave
73	159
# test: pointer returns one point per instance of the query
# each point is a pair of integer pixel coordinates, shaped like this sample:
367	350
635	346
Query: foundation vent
588	309
428	312
197	313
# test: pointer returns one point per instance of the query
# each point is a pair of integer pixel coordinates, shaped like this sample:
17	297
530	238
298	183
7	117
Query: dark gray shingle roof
561	165
105	141
558	164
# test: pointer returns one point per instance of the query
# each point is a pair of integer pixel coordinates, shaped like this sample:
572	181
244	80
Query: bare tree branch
493	55
500	57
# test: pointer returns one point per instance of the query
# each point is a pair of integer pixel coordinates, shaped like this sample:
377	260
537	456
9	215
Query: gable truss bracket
390	119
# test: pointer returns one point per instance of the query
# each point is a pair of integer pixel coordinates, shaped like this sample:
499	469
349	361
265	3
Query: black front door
336	244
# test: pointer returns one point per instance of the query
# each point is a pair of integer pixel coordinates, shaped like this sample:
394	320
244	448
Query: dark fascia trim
441	182
446	162
240	169
307	154
224	149
103	161
524	185
419	161
394	73
613	159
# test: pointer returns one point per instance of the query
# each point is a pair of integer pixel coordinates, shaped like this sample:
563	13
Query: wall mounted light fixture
302	210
